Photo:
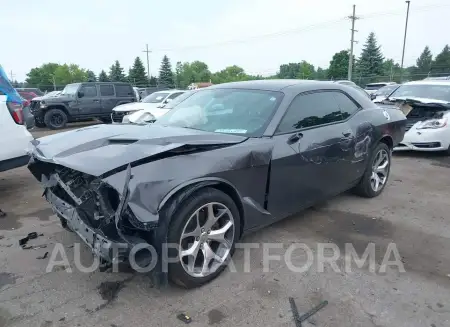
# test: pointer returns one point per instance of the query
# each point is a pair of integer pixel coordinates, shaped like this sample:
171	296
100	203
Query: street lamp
404	39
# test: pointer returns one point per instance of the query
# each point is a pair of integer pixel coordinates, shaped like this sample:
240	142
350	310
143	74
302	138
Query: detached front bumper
109	250
425	140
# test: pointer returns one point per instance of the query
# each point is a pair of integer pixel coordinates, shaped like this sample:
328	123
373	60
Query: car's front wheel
377	172
55	118
205	230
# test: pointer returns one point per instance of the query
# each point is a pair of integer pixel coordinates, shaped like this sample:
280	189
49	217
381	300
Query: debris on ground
34	247
43	257
1	237
30	236
2	213
184	318
299	319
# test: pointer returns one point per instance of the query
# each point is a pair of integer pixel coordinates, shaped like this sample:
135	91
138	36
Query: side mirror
373	96
167	101
80	94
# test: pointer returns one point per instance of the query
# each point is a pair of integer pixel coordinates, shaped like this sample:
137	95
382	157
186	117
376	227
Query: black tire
447	152
55	119
364	187
39	122
177	273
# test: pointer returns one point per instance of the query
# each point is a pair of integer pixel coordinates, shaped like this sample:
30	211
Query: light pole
404	39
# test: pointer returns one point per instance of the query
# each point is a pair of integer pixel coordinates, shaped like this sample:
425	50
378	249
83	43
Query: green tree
391	71
153	81
289	71
194	72
321	74
441	64
42	77
137	74
116	73
306	70
103	77
370	63
165	73
91	76
339	65
423	63
230	74
66	74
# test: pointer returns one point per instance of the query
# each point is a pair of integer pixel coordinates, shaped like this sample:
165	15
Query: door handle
347	133
96	100
294	138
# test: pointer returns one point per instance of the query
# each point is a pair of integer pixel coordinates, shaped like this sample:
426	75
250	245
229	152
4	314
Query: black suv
81	101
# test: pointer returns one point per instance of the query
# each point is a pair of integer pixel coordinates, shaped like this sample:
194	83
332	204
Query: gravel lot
413	212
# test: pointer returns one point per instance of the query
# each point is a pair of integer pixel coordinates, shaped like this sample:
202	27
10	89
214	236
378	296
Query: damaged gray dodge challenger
230	159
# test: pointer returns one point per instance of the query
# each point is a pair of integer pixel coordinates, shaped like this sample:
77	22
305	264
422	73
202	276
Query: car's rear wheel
205	229
377	172
55	118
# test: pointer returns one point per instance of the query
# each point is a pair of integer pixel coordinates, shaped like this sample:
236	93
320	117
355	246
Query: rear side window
308	110
124	91
347	106
90	91
174	95
106	90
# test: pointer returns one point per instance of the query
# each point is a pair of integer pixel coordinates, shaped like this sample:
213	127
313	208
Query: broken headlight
433	123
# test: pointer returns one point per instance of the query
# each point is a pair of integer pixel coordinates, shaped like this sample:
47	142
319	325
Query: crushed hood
419	99
97	150
136	106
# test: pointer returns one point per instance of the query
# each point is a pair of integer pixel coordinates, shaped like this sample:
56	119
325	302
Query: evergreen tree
103	77
441	64
153	81
423	63
137	74
116	73
370	63
165	73
91	76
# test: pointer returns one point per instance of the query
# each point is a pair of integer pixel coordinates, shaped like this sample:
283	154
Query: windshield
437	92
372	87
178	100
386	90
156	97
233	111
70	89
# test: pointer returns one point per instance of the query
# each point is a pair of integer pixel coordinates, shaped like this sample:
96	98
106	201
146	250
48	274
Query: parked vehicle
28	96
146	116
427	108
14	137
152	102
381	94
81	101
372	87
35	90
275	148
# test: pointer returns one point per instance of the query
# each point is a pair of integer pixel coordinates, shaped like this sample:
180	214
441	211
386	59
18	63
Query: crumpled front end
93	209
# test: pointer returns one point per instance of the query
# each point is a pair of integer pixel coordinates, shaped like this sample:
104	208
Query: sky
258	35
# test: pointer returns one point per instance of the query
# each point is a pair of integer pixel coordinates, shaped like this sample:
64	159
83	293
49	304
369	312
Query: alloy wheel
206	239
380	170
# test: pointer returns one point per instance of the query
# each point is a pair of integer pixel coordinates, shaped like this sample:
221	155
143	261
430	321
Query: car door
107	97
88	101
306	165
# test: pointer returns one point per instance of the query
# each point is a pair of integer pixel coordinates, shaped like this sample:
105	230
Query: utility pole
11	75
404	39
352	41
148	62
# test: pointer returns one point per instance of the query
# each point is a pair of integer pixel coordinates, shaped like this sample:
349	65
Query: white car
373	87
381	94
152	102
14	136
426	105
146	116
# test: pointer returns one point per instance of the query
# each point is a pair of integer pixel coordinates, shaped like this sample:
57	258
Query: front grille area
117	116
34	106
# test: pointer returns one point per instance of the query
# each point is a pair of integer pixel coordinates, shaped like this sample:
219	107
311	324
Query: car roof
275	84
429	82
381	83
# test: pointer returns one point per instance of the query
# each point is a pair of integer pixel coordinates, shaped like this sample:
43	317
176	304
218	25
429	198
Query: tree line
370	66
